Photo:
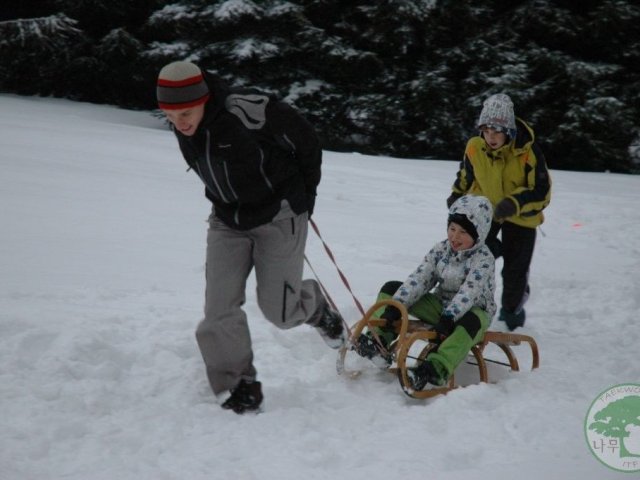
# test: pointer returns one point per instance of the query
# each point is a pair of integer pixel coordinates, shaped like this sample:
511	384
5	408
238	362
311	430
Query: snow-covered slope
101	287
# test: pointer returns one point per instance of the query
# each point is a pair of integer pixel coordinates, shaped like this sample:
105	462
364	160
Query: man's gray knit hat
181	85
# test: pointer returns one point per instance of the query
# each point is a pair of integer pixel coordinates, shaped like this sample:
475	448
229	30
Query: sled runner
415	341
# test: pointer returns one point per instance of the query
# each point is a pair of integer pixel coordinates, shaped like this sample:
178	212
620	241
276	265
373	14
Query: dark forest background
396	77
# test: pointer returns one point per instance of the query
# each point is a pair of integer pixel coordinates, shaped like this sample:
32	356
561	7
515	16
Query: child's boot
377	351
512	319
427	372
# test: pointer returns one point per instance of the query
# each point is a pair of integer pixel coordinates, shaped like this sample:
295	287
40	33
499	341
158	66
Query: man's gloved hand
452	198
391	314
444	327
505	208
311	202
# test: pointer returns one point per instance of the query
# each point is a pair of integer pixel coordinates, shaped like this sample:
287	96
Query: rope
328	297
342	276
324	290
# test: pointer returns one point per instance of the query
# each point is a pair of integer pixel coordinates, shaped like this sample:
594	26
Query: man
260	163
506	165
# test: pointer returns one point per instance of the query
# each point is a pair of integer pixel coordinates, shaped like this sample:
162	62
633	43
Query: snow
171	11
309	87
173	49
102	254
237	8
249	47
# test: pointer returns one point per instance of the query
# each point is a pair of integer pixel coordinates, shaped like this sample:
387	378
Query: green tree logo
612	427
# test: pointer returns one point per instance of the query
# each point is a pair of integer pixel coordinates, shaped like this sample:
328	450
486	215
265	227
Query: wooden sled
412	331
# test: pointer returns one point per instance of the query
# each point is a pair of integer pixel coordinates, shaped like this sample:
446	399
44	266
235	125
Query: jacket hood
525	136
219	90
478	210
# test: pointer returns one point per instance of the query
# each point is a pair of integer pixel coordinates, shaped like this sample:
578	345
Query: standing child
461	272
506	165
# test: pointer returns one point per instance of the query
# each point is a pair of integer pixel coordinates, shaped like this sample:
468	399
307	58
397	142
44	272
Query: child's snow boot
426	372
512	319
378	352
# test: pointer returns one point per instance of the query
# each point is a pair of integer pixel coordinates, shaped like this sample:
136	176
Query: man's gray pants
276	251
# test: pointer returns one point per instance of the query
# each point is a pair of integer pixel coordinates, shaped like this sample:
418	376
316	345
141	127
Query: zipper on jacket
226	174
291	144
213	175
262	172
204	180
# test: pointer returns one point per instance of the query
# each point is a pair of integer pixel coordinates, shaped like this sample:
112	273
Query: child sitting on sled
452	289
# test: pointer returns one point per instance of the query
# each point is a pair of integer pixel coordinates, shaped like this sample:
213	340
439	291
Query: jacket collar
219	91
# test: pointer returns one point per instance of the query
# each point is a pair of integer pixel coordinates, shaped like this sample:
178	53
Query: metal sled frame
411	331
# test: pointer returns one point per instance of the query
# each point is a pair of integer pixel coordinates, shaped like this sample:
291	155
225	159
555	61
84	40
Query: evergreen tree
35	52
98	17
397	77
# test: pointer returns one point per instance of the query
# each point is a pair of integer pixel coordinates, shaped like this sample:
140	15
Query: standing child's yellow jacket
517	170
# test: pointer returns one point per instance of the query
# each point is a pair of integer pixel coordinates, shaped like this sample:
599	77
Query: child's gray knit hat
497	112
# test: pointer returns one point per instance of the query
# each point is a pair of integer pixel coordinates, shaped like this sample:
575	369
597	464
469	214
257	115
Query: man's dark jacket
253	151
